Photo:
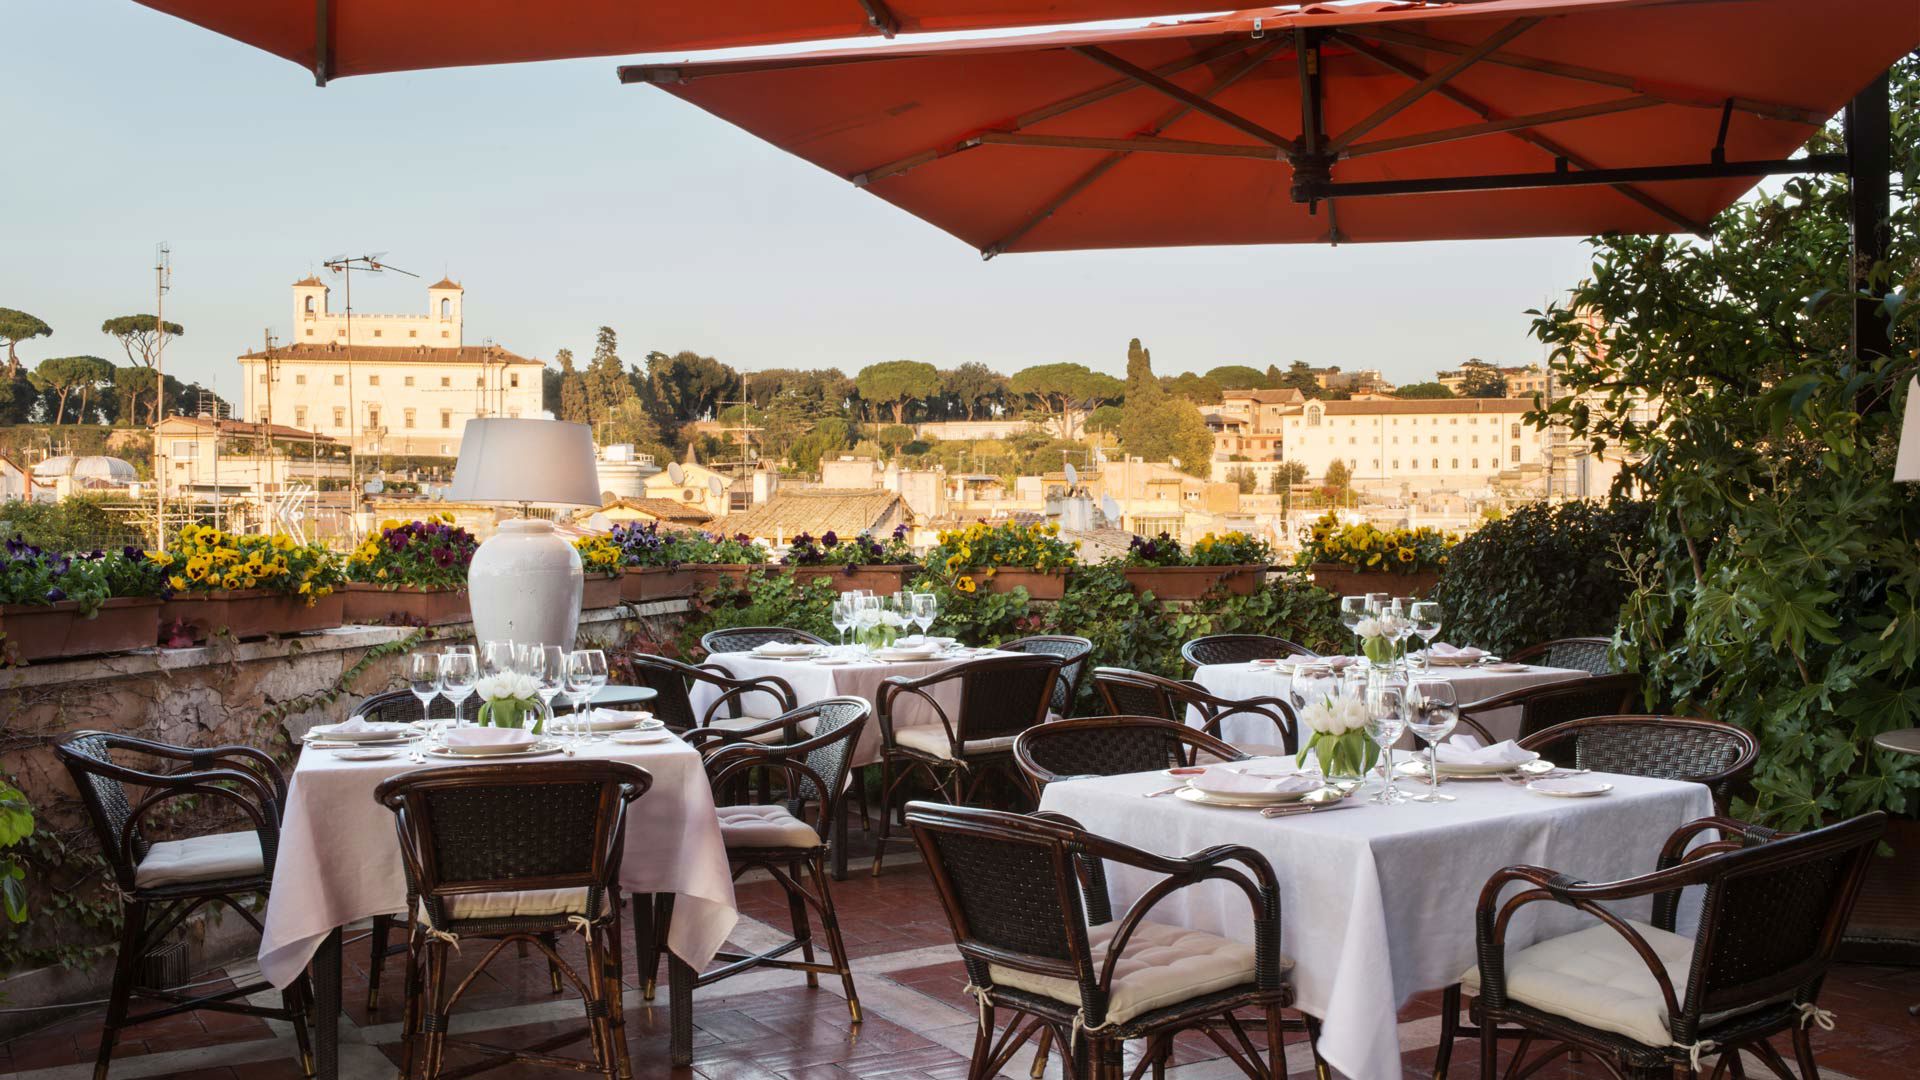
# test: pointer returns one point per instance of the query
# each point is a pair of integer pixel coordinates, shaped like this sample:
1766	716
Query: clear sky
563	200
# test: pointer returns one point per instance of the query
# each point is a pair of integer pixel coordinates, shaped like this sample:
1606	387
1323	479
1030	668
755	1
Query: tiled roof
394	354
309	280
1288	396
662	509
790	513
447	283
1398	407
242	429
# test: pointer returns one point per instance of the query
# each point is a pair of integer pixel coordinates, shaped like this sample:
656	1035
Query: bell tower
443	312
309	307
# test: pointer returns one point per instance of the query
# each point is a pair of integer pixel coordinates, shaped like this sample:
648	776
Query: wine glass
586	674
867	615
496	658
423	678
1386	722
1352	610
458	673
842	615
1377	602
1432	711
550	668
926	607
1425	616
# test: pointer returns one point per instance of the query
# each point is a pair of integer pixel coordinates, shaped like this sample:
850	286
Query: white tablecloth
1470	684
1377	902
339	858
861	678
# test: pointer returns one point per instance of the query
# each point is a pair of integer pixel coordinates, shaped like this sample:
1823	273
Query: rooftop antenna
162	284
345	265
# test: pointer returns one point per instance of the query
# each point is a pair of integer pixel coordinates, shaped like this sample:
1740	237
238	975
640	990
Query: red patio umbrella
1364	122
334	38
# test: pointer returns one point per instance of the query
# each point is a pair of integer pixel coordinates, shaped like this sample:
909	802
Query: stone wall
264	694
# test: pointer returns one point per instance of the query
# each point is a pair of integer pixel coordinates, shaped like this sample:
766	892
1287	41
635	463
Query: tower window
513	379
446	307
299	380
339	416
309	305
376	333
406	417
446	419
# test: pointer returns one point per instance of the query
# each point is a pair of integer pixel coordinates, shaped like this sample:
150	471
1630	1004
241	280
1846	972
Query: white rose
1352	713
1320	717
525	686
485	686
1369	627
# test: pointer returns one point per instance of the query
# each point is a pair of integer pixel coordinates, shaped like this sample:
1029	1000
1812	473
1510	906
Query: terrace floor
769	1026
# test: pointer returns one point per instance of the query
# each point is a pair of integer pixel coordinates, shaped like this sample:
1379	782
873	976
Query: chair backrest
1587	654
1000	696
1772	916
1073	653
1541	707
1721	756
1008	885
824	757
669	680
748	638
105	798
1110	746
1239	648
512	826
401	707
1138	693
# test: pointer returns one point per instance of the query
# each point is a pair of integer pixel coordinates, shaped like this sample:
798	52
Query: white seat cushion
768	826
932	739
201	858
1594	977
501	905
741	723
1163	965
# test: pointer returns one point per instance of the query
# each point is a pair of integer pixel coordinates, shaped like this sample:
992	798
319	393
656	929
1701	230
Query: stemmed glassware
843	613
423	678
586	674
867	615
1352	610
926	608
1425	616
458	673
1386	722
496	658
1432	712
1377	602
552	675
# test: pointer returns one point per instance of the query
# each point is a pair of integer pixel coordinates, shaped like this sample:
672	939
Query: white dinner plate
491	749
1240	798
832	661
904	656
1570	787
1419	764
539	748
785	650
375	732
640	738
366	754
1505	669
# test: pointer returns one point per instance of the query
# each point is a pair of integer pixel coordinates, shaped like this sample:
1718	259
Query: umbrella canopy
1363	122
335	38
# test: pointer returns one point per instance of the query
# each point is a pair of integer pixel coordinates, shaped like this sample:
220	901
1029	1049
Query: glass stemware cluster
453	673
864	612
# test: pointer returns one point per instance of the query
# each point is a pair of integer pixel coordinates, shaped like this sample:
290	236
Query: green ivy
16	824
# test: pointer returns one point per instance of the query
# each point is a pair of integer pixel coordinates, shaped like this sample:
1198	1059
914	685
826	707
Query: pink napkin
488	736
1442	650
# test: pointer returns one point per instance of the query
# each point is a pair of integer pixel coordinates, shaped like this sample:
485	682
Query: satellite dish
1174	461
715	485
1110	508
675	473
375	487
1073	475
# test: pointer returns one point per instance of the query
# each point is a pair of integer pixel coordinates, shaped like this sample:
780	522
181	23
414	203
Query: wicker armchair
749	638
1136	693
673	681
1110	746
1718	755
161	882
1073	653
778	840
999	697
1541	707
514	852
1039	945
401	707
1239	648
1588	654
1772	911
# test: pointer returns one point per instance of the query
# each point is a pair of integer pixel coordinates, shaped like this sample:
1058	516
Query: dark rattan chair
1772	911
1587	654
1136	693
1110	746
1541	707
162	882
777	839
1046	949
749	638
673	681
1239	648
1073	653
1718	755
999	697
514	852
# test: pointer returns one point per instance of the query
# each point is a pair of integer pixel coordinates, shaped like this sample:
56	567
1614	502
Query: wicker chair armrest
715	667
1492	919
254	758
1743	833
730	736
896	685
1256	882
262	809
736	689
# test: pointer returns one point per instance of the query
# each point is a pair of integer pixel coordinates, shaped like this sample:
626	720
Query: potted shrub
249	586
55	605
651	566
715	560
410	574
1232	561
1347	560
861	563
604	564
1001	558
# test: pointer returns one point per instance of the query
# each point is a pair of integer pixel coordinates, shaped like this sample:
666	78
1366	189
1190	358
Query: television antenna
162	284
345	265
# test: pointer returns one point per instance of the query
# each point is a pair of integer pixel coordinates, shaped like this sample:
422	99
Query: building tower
443	312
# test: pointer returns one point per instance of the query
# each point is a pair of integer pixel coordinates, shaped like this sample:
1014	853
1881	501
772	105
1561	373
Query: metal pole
162	271
1869	134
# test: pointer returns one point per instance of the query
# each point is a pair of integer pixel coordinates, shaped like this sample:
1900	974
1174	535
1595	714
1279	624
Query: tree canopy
894	383
66	375
1423	391
1238	377
1060	388
16	327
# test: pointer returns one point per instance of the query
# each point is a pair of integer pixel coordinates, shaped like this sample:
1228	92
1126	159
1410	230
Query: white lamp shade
1906	466
526	461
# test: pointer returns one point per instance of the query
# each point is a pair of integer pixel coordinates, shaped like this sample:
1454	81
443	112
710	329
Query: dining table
339	862
1377	901
1471	682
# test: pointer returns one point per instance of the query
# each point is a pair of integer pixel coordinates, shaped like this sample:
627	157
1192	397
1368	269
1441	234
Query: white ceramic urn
525	584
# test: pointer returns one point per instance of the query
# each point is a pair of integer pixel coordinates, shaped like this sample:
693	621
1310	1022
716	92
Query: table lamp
525	582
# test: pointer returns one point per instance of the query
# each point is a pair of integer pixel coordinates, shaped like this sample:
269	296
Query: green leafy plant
1233	548
705	549
431	554
29	575
1365	546
862	550
1542	571
16	824
1008	544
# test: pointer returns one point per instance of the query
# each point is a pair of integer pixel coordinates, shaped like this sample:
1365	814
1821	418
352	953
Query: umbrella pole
1869	131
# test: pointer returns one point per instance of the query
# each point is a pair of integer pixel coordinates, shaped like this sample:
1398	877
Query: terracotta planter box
601	592
48	631
1040	584
1342	580
656	583
878	579
1193	582
374	605
251	613
713	575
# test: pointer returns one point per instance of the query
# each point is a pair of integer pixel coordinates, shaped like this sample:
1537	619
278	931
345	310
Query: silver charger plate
1249	801
540	748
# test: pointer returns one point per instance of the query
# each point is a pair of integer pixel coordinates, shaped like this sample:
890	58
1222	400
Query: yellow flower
390	523
964	584
306	587
179	583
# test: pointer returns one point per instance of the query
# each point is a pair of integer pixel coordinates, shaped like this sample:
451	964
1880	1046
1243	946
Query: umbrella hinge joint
1259	29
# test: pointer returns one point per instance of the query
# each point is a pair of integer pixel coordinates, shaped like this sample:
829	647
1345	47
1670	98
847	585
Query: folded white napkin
612	719
780	648
1444	651
1226	780
1338	662
1467	750
352	723
356	726
488	736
